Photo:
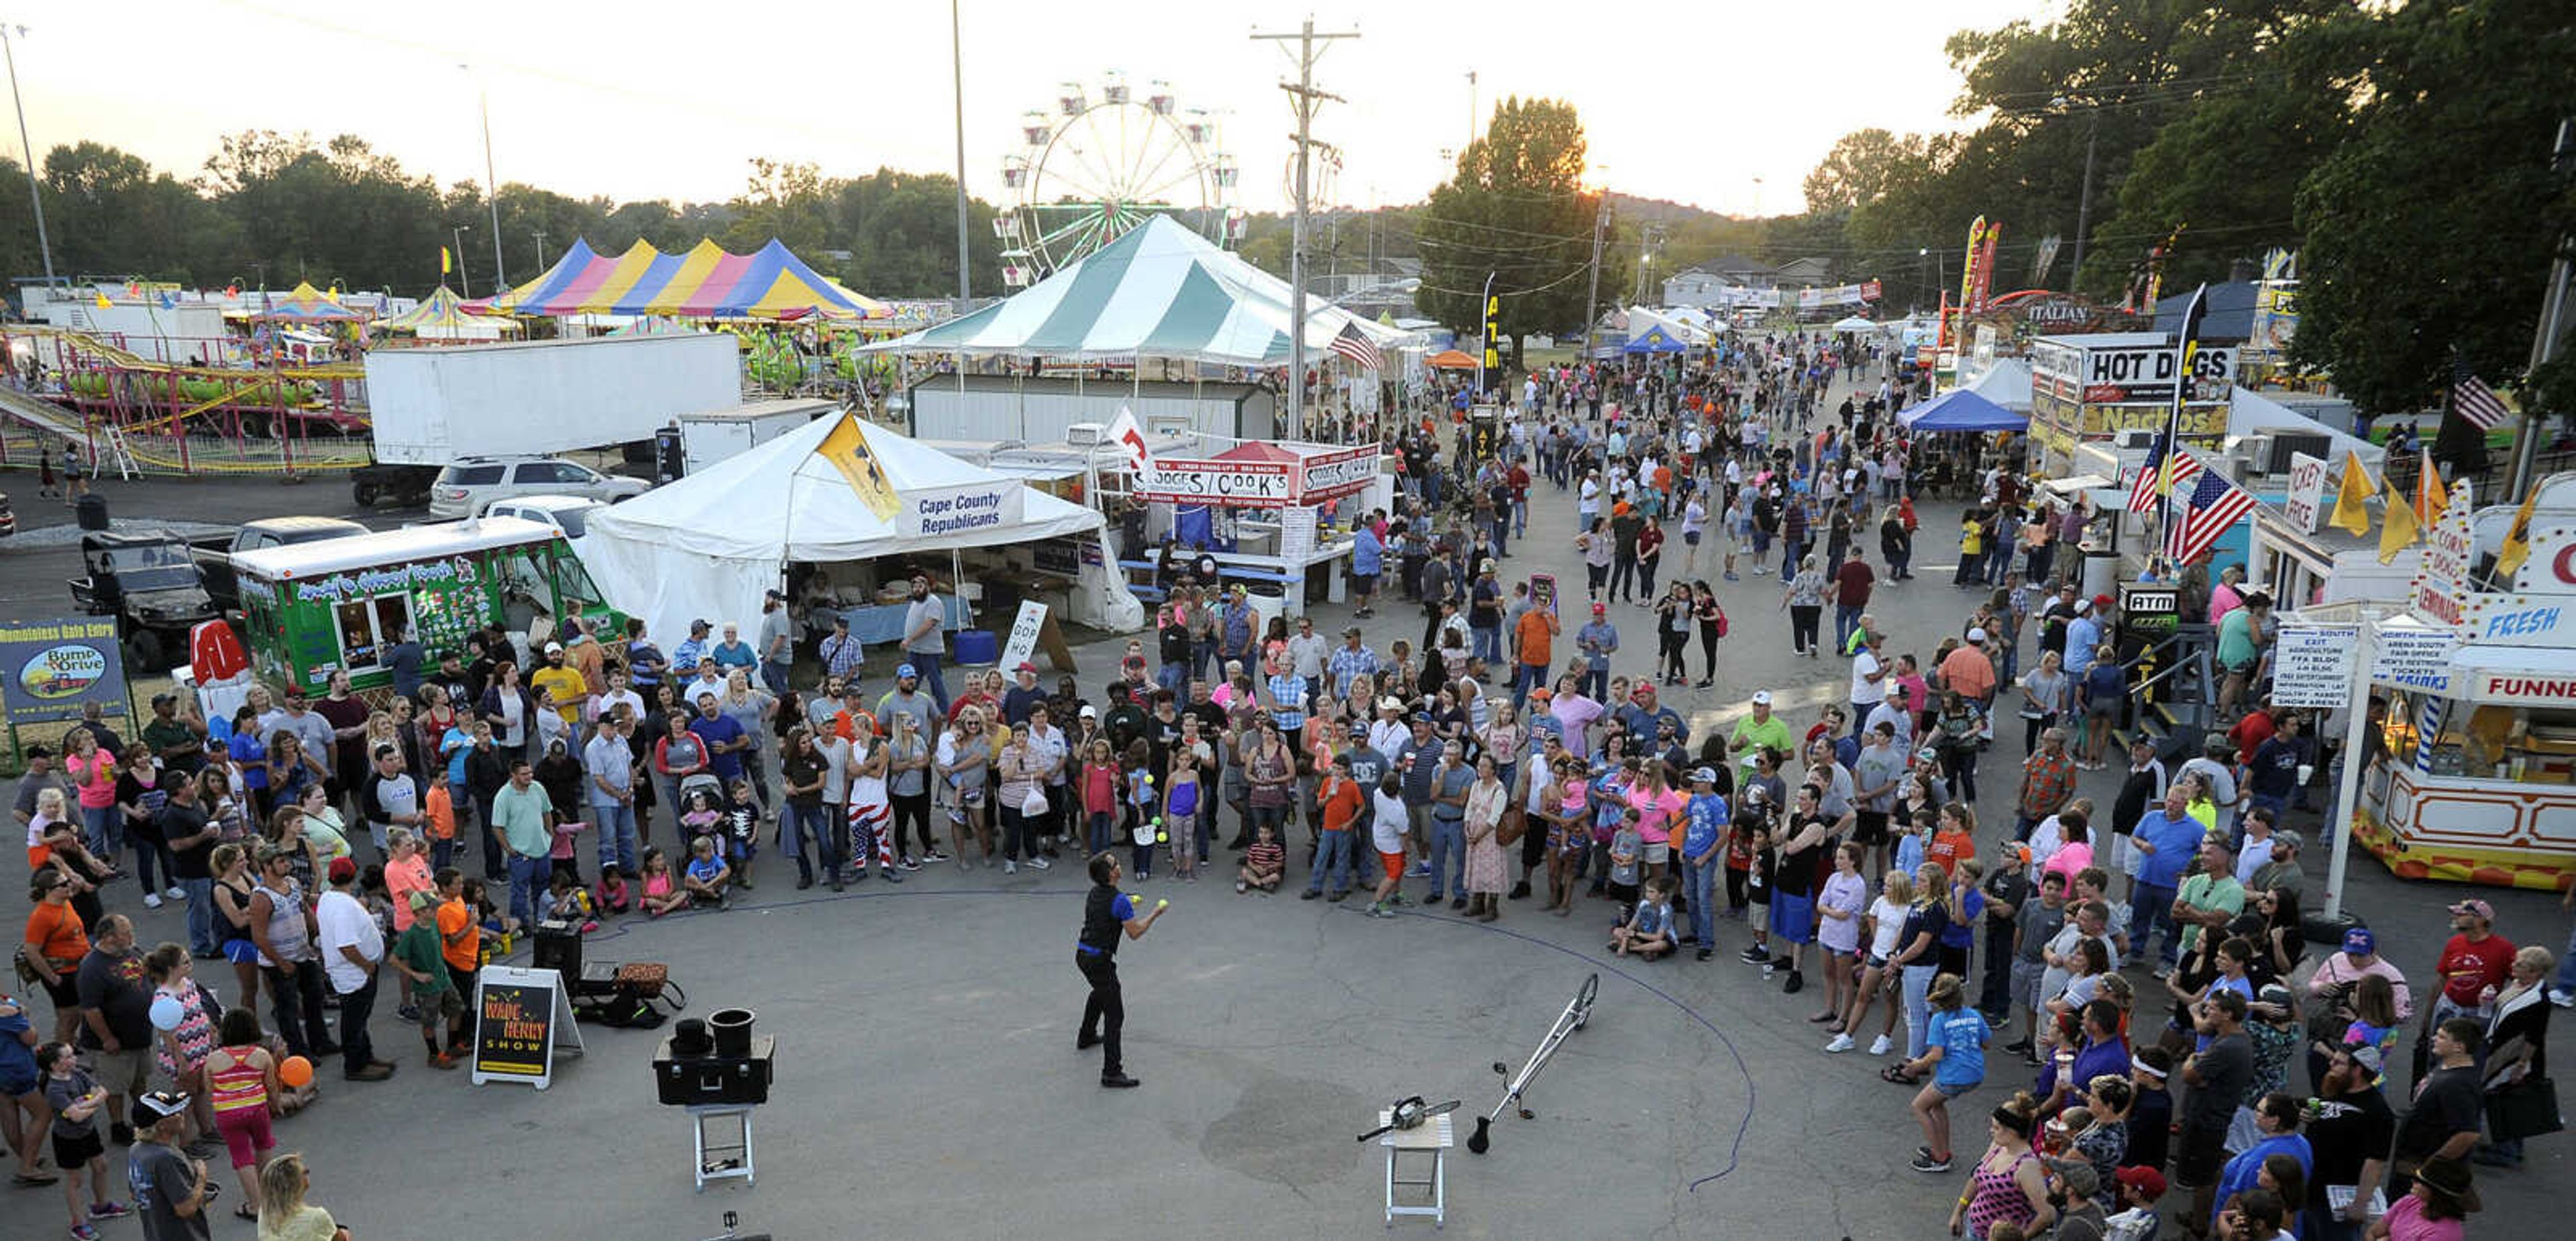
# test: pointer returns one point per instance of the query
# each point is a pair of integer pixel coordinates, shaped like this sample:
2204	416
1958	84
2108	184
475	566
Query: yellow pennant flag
2399	532
446	261
2430	497
2352	499
847	449
2517	541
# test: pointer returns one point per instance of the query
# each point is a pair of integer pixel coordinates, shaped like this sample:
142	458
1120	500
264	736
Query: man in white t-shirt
1869	672
352	947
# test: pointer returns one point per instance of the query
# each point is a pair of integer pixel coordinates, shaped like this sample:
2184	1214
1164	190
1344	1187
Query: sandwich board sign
1023	643
522	1020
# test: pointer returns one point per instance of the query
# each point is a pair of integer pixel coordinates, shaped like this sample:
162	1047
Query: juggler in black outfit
1106	913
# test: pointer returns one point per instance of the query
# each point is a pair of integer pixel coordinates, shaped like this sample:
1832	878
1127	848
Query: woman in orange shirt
57	940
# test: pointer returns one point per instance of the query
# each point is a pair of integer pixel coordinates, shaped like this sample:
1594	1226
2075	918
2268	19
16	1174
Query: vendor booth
2475	774
1961	410
1261	511
711	544
2090	388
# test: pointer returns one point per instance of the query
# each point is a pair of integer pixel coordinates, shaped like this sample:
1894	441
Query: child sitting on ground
566	902
1649	931
662	892
1264	864
707	876
614	895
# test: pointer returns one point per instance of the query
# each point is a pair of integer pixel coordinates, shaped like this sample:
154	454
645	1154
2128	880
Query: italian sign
522	1020
1023	642
2307	492
55	668
2312	665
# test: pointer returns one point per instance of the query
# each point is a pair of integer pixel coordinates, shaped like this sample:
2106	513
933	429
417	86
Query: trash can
1268	600
91	511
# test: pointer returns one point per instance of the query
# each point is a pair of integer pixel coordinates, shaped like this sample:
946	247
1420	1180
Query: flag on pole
2216	504
1356	346
446	261
2430	498
2165	470
2398	532
2476	401
2352	498
2517	541
848	451
1130	440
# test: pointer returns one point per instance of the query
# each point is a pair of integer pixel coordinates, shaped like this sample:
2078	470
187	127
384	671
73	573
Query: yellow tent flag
2517	541
2352	498
846	447
2399	531
2430	496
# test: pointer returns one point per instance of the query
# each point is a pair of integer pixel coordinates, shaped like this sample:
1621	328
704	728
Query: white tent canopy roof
1160	291
711	543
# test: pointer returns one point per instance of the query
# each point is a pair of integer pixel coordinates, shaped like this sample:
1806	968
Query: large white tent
1160	291
710	544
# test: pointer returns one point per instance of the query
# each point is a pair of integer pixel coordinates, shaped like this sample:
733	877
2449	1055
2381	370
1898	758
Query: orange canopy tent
1450	360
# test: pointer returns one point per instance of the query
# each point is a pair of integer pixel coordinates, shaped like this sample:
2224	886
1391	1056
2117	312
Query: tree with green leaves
1515	209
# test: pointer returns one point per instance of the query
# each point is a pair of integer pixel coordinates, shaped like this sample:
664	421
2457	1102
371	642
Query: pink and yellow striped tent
708	282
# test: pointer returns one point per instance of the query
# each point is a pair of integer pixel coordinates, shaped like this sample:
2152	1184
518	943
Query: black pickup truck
214	555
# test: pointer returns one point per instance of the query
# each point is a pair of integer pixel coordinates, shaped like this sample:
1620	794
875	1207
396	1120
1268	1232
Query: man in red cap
2473	965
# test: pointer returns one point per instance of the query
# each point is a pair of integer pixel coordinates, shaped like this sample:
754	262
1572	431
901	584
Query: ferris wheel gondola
1096	166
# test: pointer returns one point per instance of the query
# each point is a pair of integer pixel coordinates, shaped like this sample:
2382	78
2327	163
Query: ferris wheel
1097	166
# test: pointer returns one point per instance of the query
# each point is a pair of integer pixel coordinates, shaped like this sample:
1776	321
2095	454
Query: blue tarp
1962	410
1656	340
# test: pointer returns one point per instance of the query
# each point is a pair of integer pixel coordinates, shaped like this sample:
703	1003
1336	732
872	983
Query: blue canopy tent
1656	340
1962	410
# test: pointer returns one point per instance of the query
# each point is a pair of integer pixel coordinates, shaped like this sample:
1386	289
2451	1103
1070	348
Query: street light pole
35	193
541	251
492	195
957	74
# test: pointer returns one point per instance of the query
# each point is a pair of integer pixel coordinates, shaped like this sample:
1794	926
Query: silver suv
470	483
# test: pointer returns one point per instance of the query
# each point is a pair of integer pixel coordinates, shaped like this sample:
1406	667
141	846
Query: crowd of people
2142	974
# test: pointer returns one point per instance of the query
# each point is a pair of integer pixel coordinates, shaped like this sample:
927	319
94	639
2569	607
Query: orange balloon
296	1072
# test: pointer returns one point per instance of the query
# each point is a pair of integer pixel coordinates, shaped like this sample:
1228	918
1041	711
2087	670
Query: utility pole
9	48
2545	341
1303	99
541	251
492	195
1592	299
957	73
1648	238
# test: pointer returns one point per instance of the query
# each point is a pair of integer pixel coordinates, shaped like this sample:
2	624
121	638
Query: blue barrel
977	646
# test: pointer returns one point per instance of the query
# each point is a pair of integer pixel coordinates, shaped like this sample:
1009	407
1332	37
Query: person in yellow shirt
1972	549
560	686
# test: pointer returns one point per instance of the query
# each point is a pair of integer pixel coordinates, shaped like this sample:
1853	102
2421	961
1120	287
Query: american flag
2477	402
2144	491
2215	505
1355	345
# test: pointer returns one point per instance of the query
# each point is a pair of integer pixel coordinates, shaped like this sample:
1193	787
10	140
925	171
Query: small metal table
1432	1138
725	1152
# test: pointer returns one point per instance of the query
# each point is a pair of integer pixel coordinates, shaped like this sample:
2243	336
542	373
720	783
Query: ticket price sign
523	1020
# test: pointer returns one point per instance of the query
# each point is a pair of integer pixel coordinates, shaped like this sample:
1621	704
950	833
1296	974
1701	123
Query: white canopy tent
1855	323
711	544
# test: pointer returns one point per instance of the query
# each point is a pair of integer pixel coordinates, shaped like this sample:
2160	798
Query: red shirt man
2476	961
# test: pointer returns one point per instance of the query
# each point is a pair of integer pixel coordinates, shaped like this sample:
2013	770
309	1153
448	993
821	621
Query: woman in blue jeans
1918	957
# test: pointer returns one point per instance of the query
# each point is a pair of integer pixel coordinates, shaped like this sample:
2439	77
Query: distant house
1708	284
1803	273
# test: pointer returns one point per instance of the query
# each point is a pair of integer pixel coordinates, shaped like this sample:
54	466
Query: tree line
2403	150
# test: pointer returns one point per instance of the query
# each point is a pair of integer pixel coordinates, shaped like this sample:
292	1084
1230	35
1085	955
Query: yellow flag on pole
2517	541
847	449
2352	498
2398	532
2430	497
446	261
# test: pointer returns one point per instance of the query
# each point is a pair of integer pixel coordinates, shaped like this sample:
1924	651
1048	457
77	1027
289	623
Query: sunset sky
1692	102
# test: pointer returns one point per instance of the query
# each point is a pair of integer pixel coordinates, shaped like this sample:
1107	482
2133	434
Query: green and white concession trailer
310	609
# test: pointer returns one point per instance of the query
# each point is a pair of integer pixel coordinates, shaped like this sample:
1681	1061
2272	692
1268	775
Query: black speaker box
681	1080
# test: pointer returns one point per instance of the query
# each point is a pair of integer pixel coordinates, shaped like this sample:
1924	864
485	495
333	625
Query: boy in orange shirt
1342	801
461	941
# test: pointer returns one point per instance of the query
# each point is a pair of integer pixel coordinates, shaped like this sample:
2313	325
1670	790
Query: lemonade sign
55	668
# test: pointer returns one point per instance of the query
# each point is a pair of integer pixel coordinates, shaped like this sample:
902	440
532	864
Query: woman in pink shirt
92	772
1655	805
2076	851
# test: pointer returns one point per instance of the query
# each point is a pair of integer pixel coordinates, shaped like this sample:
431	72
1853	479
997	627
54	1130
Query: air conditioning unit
2134	439
2252	455
2320	447
1086	435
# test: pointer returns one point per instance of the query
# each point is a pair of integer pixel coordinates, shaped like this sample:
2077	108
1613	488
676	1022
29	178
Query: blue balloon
167	1013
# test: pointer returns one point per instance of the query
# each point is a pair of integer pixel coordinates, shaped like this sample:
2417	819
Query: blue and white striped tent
1160	291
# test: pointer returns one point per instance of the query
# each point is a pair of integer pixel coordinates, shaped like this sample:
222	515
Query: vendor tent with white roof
710	544
1160	291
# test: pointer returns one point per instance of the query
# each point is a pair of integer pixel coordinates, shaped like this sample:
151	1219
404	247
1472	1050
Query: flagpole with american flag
2187	342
